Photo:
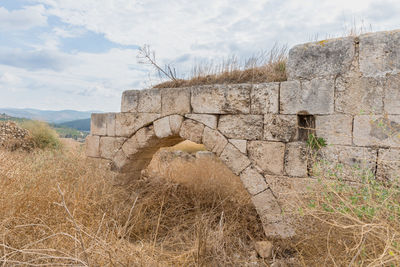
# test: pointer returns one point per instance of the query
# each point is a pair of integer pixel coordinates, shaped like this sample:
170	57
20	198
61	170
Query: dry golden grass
261	68
57	208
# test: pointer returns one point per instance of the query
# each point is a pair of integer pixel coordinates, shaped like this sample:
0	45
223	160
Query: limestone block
98	124
248	127
379	53
327	58
355	95
208	99
221	99
278	226
377	130
175	101
146	137
192	130
92	146
207	119
281	128
119	161
344	162
126	124
175	122
239	144
234	159
265	98
110	145
388	165
253	181
162	127
308	97
296	158
266	202
237	98
149	101
130	101
269	156
110	122
335	129
392	94
131	147
214	141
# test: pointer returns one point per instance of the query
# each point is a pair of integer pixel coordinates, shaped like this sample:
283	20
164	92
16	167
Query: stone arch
135	153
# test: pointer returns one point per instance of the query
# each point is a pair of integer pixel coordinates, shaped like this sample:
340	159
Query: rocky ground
13	137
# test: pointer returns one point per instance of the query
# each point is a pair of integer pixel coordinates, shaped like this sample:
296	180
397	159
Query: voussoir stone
130	101
239	144
207	119
269	156
175	122
192	130
126	124
253	181
110	145
234	159
307	97
214	141
162	127
175	101
327	58
248	127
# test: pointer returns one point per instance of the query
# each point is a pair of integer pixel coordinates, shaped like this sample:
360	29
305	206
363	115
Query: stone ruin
345	90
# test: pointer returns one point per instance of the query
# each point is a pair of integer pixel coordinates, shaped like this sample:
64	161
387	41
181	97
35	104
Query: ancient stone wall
346	91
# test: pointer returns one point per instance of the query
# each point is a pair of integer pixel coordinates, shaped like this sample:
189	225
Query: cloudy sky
69	54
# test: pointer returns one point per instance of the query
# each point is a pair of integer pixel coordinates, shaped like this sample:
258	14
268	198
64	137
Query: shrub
42	134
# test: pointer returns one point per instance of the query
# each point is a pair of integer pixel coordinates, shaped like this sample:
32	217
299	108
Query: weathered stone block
377	130
110	122
214	141
208	99
281	128
379	53
248	127
265	202
149	101
110	145
175	101
237	98
221	99
175	122
126	124
98	124
392	94
308	97
388	165
234	159
269	156
119	161
265	98
239	144
355	95
296	158
327	58
130	147
146	138
130	101
92	146
192	130
253	181
207	119
162	127
335	129
344	162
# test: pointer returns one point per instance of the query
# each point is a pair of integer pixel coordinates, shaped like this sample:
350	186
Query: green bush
42	134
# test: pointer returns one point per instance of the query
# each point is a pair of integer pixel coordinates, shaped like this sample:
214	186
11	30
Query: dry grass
264	67
57	208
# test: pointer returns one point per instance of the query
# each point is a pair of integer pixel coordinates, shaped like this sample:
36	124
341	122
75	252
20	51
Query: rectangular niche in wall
306	125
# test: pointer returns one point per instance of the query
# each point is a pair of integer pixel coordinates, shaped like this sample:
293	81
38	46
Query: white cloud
22	19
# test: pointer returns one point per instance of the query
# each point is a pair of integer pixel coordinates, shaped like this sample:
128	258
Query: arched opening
136	153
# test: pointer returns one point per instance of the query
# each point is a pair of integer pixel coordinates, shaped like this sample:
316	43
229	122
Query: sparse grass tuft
42	134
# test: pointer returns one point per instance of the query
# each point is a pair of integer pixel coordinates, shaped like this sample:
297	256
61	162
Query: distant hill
50	116
81	125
